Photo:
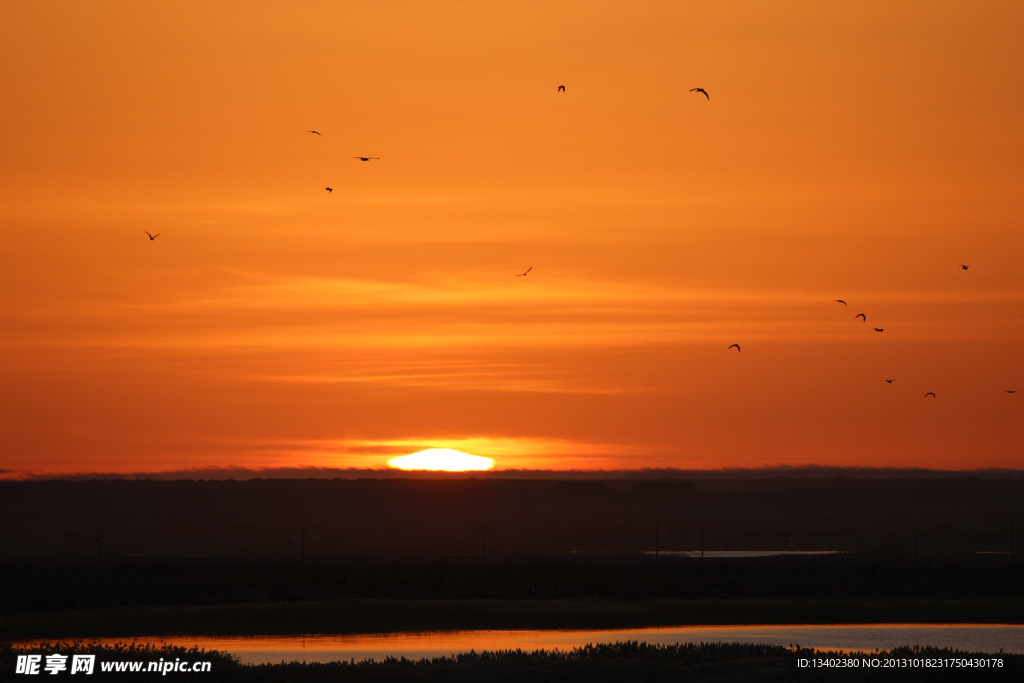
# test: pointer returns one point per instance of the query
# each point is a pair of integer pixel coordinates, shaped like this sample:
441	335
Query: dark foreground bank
633	662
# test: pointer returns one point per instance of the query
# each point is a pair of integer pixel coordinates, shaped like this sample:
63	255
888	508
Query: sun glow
442	459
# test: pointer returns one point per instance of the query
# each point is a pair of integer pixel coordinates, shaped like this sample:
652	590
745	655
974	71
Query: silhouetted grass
630	661
382	616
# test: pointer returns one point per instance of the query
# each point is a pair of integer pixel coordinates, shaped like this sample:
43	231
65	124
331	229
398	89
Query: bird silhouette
329	189
561	88
1010	391
930	393
964	267
701	90
315	132
152	237
365	158
879	329
840	301
889	381
738	349
861	315
527	271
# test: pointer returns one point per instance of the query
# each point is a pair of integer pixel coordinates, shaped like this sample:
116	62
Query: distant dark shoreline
795	472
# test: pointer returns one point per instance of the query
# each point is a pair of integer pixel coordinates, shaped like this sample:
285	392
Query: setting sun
525	309
442	459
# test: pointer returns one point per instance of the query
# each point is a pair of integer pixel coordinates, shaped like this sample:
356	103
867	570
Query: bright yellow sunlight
443	459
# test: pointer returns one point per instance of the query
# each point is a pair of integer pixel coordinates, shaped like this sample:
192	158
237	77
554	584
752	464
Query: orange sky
853	150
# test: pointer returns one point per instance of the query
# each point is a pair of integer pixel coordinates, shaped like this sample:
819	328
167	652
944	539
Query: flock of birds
702	91
864	318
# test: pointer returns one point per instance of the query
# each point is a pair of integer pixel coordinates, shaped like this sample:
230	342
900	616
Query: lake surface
867	637
741	553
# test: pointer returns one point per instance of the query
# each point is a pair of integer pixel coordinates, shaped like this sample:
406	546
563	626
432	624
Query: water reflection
740	553
326	648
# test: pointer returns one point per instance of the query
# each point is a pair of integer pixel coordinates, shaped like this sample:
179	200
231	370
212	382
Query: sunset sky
849	150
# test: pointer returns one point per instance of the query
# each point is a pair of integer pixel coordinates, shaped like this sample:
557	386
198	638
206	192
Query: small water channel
803	554
861	637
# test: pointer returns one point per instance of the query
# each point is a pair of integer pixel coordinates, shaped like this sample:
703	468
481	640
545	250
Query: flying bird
861	315
840	301
879	329
152	237
930	393
365	158
1010	391
329	189
561	88
527	271
738	349
701	90
889	381
315	132
964	267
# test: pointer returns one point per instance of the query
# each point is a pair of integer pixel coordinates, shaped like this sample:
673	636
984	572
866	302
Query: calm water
741	553
326	648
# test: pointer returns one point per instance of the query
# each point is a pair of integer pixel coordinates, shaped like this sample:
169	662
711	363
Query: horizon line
213	473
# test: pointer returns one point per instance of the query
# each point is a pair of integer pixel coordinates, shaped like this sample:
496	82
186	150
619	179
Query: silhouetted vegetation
631	661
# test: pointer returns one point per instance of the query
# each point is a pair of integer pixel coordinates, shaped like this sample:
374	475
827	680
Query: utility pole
702	540
656	548
915	546
303	546
1011	544
289	545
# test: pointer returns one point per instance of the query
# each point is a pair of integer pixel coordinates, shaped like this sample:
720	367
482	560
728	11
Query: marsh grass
633	661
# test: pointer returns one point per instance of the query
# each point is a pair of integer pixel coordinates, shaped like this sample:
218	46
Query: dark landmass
320	520
82	558
632	662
